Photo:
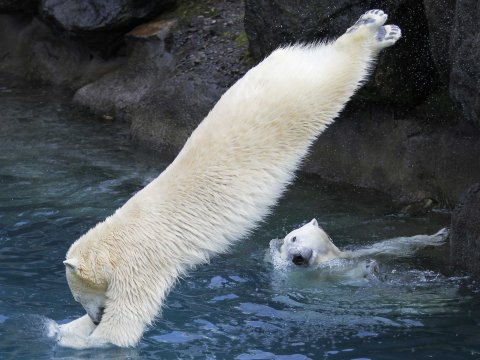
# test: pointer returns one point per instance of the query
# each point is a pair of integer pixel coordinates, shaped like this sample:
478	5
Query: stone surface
465	233
175	72
465	52
118	93
100	23
209	48
440	16
16	6
98	15
164	119
32	50
393	151
405	75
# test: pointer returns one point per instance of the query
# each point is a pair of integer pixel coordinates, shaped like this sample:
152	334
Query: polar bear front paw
75	333
372	19
387	36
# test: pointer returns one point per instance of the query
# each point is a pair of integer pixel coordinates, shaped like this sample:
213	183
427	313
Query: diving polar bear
231	171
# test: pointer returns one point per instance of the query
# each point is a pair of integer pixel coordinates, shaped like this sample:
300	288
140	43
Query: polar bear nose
299	260
97	315
302	257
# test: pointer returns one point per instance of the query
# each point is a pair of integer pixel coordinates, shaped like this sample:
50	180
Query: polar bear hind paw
388	35
372	19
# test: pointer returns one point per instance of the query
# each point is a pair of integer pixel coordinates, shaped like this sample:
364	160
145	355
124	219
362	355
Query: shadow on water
61	172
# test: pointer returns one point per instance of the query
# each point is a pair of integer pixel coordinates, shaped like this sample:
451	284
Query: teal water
62	171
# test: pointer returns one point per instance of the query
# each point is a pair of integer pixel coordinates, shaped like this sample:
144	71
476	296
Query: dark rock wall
178	66
465	233
465	55
101	24
406	132
98	15
413	130
118	93
162	76
19	6
382	148
440	16
405	75
31	49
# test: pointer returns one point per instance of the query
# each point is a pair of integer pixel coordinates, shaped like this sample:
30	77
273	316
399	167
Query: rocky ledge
465	233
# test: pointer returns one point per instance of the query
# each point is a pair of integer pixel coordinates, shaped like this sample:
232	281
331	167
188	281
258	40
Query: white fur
229	174
312	239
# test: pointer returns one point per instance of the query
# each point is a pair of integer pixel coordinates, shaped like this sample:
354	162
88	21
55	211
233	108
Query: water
61	172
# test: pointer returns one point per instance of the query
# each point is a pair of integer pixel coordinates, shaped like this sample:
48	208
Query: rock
465	233
269	24
32	50
173	74
440	15
465	52
169	113
101	23
405	75
16	6
401	136
149	62
99	15
384	149
173	108
419	208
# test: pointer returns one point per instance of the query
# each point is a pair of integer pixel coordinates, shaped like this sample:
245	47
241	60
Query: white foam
52	330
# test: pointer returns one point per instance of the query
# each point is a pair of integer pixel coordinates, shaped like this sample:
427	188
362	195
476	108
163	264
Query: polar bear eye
294	239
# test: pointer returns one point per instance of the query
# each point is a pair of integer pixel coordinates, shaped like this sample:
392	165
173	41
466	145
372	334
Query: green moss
242	40
227	35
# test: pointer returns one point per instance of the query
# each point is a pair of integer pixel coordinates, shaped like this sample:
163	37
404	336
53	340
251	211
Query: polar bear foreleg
75	333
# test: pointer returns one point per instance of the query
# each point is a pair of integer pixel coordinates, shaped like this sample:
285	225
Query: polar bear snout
96	315
93	303
91	296
301	257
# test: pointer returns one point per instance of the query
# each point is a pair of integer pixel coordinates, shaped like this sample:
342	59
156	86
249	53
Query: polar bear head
88	270
90	294
308	245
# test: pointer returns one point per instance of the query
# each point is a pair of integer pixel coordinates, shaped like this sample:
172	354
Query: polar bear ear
314	222
72	264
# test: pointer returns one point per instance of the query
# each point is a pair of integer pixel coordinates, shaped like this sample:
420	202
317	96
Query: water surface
62	171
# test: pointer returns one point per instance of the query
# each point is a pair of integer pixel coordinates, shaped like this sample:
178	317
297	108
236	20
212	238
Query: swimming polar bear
310	246
229	174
